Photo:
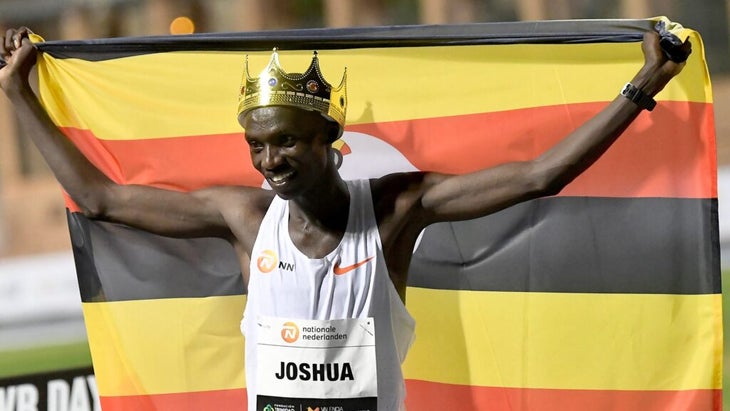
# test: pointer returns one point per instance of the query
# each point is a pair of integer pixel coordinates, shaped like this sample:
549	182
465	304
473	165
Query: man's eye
288	141
255	146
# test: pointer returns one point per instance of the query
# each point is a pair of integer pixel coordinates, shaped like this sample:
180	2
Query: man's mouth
281	177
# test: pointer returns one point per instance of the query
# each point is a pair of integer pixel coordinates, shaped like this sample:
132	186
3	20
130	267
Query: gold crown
308	90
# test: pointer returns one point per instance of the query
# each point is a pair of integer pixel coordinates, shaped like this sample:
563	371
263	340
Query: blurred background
41	326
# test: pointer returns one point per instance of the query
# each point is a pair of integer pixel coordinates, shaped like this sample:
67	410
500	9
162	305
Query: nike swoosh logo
344	270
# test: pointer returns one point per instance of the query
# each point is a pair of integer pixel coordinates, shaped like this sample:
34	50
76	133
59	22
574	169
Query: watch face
626	91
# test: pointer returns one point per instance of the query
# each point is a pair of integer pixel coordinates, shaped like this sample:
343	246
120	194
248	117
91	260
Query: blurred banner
67	390
605	297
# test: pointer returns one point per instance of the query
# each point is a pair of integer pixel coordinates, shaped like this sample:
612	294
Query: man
325	227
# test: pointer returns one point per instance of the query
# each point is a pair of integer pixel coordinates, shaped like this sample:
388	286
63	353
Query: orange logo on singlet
289	332
267	261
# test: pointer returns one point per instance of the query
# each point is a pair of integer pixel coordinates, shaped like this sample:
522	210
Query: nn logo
268	260
289	332
286	266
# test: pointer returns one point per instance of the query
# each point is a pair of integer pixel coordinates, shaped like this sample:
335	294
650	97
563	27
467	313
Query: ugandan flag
605	297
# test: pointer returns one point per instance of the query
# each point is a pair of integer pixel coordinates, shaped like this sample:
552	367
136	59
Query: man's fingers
651	48
12	42
3	53
25	31
8	43
20	34
686	47
14	38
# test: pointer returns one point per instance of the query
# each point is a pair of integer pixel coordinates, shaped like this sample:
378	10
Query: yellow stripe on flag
571	341
166	346
195	93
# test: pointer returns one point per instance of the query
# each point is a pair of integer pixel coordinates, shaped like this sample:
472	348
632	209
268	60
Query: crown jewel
308	90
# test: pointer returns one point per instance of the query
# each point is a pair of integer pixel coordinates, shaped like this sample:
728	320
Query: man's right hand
19	55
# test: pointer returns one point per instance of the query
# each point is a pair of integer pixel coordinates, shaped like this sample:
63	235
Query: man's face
288	147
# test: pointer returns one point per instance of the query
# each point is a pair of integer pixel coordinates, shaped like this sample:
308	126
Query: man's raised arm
446	198
160	211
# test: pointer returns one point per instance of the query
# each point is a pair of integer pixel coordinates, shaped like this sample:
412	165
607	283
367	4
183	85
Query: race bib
316	365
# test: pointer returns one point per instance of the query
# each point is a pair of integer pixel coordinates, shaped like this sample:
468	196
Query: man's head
307	91
291	147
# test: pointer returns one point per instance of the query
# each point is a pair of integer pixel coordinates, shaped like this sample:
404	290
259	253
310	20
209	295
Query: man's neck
326	207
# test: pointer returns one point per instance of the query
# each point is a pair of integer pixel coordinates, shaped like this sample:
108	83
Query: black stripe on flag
578	244
552	32
557	244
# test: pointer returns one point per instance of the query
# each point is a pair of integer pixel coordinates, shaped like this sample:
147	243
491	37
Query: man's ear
333	131
337	156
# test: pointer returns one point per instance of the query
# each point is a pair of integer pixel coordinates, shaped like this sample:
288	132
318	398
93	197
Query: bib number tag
316	365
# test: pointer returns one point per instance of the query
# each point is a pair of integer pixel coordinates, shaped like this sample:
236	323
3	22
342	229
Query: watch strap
640	98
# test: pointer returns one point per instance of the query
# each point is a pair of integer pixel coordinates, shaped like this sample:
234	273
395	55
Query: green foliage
43	359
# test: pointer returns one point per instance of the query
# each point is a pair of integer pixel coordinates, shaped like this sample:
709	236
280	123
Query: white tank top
286	283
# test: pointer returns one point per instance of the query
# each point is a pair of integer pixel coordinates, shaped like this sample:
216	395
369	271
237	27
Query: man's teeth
281	177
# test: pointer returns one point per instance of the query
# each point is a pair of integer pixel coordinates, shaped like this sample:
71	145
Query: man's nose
271	157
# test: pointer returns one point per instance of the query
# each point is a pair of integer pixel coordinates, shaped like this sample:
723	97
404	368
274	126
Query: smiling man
325	260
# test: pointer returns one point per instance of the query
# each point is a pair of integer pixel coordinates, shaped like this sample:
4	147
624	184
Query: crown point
308	90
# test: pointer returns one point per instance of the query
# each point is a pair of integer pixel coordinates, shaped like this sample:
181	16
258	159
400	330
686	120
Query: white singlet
350	282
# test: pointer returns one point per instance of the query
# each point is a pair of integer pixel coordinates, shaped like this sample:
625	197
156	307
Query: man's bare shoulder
398	199
391	187
395	195
242	208
238	199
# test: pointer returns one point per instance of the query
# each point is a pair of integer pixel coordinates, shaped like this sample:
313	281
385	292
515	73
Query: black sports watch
641	99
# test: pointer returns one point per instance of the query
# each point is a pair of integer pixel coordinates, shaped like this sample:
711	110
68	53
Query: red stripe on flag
425	395
667	153
222	400
179	163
